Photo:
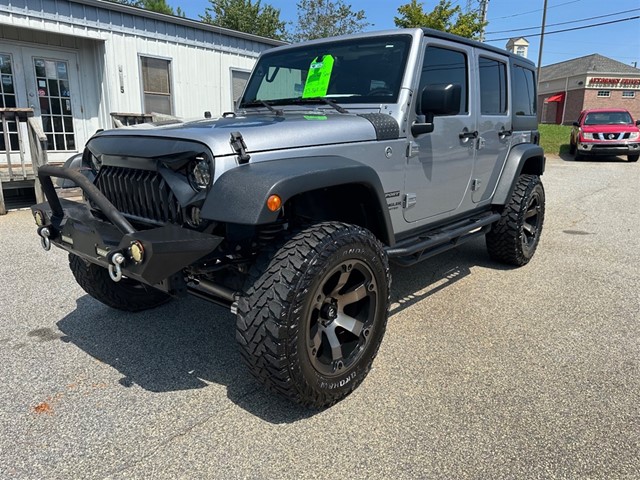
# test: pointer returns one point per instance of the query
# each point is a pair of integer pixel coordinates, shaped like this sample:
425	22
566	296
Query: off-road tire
572	148
128	295
514	238
284	316
633	158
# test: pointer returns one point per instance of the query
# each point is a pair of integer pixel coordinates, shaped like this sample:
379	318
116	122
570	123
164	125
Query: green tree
327	18
160	6
246	16
444	17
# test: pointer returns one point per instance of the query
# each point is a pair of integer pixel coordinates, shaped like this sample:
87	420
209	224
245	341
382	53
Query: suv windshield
608	118
367	70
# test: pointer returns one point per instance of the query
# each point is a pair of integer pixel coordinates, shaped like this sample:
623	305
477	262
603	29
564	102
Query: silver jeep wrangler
343	154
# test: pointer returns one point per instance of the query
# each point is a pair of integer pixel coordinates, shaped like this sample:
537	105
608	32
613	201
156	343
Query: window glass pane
157	104
493	86
156	84
442	67
155	75
239	80
524	91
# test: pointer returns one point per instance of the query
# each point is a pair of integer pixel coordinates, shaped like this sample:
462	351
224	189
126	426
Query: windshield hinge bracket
237	143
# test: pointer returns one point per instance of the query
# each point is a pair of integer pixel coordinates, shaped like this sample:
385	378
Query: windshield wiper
328	101
256	103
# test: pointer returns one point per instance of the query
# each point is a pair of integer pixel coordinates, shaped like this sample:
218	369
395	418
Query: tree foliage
444	17
246	16
160	6
326	18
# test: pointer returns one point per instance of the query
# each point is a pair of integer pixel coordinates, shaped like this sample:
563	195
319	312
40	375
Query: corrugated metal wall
109	39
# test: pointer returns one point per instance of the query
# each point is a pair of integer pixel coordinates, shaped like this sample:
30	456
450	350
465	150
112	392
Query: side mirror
638	123
575	124
440	99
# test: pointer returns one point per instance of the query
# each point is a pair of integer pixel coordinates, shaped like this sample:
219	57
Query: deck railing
23	138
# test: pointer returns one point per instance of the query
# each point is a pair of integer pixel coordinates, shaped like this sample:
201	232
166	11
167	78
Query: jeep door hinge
475	184
413	149
409	200
237	143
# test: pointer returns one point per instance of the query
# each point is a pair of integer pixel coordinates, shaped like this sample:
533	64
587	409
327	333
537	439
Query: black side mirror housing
638	123
437	99
575	124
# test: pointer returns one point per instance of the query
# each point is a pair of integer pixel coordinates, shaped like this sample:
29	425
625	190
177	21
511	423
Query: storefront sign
619	83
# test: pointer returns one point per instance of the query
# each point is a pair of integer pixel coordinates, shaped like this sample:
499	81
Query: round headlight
200	173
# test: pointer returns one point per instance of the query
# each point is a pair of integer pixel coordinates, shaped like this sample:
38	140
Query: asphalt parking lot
485	372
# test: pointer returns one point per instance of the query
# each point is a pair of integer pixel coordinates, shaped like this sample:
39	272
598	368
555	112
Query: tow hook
45	241
115	269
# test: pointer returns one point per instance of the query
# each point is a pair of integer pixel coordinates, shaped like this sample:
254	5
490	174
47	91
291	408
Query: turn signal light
274	202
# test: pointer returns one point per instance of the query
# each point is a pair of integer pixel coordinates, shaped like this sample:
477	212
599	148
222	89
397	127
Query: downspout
564	100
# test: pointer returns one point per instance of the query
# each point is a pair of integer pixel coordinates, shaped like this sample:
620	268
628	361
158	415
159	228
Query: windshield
366	70
608	118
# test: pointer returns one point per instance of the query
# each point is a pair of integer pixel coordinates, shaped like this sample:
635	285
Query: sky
620	40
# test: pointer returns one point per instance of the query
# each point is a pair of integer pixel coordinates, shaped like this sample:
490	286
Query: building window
239	79
604	93
520	51
8	100
156	85
628	94
493	87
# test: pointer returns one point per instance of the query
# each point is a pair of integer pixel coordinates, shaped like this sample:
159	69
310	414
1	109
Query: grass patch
554	139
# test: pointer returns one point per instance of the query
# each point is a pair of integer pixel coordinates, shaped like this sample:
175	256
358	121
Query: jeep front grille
140	194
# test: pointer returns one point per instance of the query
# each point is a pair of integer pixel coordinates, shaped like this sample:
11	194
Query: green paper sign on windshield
318	79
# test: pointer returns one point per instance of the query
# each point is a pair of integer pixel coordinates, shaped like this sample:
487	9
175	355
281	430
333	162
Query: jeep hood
263	132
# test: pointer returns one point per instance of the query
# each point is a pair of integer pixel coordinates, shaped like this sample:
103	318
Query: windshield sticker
319	75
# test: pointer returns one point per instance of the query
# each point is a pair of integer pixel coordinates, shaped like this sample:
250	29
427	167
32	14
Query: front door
437	177
47	81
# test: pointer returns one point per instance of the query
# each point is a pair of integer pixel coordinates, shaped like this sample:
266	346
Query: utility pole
544	21
484	6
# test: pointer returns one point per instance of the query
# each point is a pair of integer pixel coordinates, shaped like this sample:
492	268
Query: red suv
605	132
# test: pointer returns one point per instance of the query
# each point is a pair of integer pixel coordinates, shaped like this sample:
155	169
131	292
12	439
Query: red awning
555	98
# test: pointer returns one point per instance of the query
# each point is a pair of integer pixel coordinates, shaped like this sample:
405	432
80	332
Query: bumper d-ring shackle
115	266
45	241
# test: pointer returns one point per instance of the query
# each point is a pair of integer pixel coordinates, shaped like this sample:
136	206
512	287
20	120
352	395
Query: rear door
494	122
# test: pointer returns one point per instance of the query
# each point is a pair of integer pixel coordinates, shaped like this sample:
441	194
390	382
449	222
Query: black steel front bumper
73	227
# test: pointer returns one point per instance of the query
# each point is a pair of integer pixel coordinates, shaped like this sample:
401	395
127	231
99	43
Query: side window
493	86
156	85
443	66
524	91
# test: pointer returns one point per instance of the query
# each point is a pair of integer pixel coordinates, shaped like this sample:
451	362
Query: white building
519	46
75	62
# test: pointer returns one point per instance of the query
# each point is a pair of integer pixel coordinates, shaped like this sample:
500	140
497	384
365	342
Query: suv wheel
633	158
314	313
128	295
514	238
572	148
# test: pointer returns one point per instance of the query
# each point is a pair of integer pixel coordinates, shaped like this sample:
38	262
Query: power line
571	29
534	11
564	23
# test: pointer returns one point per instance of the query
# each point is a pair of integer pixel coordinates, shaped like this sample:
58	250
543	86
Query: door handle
465	134
505	133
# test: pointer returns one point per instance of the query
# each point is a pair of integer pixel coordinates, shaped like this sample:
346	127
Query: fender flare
240	195
524	154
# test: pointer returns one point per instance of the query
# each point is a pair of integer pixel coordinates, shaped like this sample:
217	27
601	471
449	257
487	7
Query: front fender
240	195
525	158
